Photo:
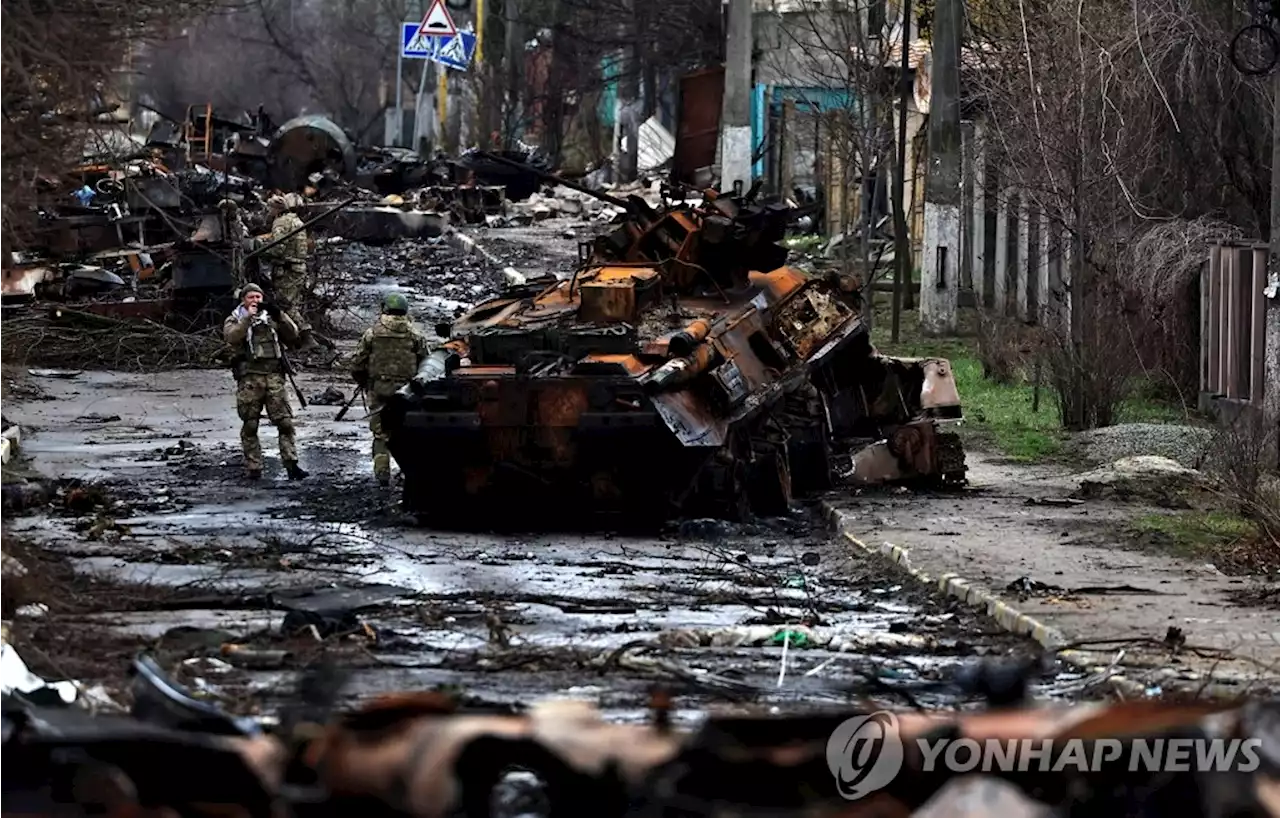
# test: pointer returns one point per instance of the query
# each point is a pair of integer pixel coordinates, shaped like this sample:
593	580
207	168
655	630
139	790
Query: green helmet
395	303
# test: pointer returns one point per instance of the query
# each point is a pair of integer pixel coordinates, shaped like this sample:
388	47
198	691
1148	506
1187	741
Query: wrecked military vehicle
681	369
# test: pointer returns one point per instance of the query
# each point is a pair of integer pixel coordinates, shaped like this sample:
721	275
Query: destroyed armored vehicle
681	369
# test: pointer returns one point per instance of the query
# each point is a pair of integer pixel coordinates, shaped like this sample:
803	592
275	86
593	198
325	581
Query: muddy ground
153	540
198	559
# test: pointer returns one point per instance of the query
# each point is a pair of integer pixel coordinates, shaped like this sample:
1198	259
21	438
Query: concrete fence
1233	325
1016	260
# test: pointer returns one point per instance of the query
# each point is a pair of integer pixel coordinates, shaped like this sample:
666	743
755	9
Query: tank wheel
769	486
951	460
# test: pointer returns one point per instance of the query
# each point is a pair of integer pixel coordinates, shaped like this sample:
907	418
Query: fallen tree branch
68	338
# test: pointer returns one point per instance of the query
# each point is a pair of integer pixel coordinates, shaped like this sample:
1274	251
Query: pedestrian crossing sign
416	45
453	52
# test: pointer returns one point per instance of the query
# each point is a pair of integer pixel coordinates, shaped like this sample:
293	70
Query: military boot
294	471
253	474
382	469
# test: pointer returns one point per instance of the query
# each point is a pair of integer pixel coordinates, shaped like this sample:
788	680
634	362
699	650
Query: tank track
951	459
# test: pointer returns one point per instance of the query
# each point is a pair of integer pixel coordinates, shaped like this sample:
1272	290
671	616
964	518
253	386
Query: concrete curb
1005	615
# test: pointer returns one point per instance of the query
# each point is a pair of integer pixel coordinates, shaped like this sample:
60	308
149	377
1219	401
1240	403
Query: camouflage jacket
390	351
258	345
292	251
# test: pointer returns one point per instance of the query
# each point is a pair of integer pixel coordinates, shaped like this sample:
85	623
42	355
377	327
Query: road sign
414	45
437	22
455	52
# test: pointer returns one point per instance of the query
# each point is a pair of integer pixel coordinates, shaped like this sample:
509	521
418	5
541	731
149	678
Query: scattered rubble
1186	445
571	760
1157	480
331	396
798	638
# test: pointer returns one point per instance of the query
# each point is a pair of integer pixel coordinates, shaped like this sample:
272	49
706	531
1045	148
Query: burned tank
681	370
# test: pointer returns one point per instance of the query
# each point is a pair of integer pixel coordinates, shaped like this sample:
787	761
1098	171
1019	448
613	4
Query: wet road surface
774	613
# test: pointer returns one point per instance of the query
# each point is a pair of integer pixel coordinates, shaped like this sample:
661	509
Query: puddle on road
566	602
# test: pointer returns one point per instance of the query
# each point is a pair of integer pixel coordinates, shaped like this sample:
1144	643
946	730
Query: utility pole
901	239
399	131
625	154
940	267
1271	342
628	125
514	49
420	121
735	117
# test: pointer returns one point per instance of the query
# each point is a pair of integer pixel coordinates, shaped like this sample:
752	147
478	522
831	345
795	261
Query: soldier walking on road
288	263
388	355
256	331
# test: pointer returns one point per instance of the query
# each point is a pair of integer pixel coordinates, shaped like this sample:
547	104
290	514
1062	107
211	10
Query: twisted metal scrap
407	753
413	756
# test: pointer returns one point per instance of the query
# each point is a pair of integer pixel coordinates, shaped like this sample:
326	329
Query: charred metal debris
681	367
148	231
421	755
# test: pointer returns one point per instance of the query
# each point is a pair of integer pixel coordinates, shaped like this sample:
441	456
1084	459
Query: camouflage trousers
381	454
379	392
254	393
288	281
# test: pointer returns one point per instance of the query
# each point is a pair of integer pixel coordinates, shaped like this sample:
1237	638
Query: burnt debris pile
678	367
423	754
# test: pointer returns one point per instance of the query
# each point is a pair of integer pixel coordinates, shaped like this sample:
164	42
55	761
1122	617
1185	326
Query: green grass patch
808	243
1001	415
1194	533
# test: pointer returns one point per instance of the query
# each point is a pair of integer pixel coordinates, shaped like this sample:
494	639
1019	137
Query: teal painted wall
610	68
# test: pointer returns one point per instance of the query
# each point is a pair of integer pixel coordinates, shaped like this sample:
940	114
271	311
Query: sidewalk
990	536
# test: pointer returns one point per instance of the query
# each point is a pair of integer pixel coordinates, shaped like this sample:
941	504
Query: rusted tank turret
681	369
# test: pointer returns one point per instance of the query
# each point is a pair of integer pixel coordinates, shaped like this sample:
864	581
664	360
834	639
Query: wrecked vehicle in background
668	375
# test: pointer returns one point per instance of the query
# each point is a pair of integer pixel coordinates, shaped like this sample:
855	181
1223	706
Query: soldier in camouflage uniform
256	330
388	355
288	261
234	234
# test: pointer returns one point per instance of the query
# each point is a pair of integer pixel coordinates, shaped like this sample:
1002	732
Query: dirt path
997	535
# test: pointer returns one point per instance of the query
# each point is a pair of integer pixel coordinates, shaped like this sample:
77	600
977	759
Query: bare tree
1110	118
840	50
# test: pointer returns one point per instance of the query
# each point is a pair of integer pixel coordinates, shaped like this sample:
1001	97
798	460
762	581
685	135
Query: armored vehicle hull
782	394
666	377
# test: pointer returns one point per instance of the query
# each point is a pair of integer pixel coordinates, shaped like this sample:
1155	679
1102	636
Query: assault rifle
346	407
286	366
